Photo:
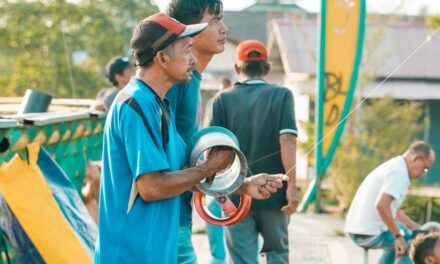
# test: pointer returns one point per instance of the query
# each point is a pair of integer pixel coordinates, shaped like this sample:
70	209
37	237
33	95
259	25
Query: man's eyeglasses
425	167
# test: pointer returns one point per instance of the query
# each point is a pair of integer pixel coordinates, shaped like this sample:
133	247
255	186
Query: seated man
425	249
374	219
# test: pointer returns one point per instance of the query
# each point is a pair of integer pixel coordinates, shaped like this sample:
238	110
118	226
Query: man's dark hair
146	63
192	11
254	68
226	81
115	66
422	247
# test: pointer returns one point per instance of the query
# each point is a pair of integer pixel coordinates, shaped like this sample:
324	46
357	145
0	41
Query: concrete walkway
313	239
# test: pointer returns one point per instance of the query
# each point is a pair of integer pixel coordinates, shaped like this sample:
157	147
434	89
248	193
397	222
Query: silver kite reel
224	182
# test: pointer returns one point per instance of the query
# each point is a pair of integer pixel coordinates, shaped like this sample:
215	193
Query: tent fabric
30	197
68	200
24	249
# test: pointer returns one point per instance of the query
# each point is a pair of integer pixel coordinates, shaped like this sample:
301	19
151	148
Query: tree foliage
433	22
61	47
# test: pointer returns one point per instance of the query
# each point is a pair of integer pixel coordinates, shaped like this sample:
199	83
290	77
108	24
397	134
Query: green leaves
61	47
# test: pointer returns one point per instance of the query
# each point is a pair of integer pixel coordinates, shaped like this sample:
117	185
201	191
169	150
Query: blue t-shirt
185	104
148	233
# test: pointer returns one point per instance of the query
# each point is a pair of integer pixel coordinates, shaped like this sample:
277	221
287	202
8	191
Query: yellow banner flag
340	49
343	43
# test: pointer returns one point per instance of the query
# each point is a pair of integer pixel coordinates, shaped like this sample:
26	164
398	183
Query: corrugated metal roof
388	47
240	23
255	24
275	7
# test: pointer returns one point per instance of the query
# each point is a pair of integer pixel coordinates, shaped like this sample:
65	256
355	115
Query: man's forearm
288	157
402	217
387	218
383	206
162	185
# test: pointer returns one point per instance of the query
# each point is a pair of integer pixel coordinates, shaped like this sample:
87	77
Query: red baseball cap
156	32
245	48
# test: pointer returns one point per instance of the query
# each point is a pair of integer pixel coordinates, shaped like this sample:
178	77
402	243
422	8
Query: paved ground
314	239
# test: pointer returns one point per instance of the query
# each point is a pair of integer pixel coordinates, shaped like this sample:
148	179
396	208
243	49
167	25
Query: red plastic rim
239	214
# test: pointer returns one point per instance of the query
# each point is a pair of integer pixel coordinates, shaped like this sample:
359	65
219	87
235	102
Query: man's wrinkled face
181	63
421	166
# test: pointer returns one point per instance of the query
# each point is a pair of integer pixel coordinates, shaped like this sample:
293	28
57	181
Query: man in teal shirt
185	98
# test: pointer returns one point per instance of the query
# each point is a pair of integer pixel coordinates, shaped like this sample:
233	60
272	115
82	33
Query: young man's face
180	66
213	39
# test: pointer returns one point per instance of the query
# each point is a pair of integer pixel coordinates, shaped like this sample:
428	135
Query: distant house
292	45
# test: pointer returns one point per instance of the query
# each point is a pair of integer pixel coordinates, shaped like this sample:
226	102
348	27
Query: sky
408	7
228	4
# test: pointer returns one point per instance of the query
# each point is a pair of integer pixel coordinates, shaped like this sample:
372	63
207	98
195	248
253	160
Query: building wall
223	62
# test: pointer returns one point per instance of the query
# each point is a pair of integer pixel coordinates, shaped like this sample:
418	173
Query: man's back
256	112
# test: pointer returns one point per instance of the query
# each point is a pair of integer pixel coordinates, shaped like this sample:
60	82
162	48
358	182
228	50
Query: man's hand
261	186
399	247
219	159
292	201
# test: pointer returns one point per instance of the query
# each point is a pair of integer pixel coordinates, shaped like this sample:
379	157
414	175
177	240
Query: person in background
425	249
185	98
225	84
118	71
374	218
262	117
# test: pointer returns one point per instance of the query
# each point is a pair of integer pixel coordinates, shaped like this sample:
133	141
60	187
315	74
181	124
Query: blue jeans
385	241
185	249
242	238
216	235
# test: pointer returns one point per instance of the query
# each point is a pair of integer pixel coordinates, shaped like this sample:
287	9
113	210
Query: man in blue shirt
143	153
185	100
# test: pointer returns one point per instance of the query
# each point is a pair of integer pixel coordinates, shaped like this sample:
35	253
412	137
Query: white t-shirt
391	178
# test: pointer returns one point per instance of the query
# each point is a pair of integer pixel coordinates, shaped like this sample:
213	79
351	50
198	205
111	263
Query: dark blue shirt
257	113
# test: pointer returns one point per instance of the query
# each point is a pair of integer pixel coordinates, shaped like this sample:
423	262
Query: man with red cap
142	151
261	115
